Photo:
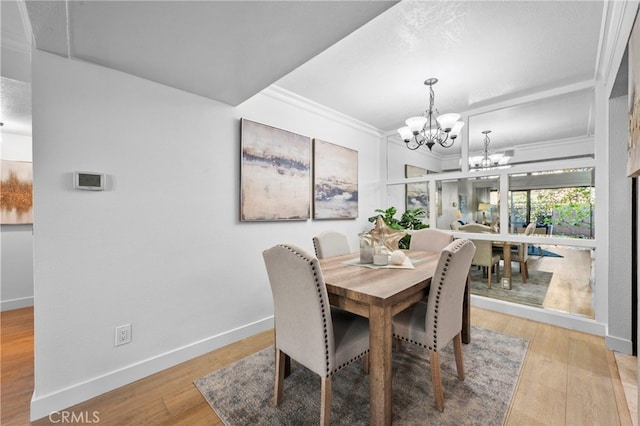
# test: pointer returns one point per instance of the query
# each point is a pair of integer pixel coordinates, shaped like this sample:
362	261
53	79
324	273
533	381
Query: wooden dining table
379	294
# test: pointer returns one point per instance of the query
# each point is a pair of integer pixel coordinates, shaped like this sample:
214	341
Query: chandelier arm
446	144
417	145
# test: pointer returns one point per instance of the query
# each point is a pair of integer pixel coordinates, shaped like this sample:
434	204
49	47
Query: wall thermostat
89	181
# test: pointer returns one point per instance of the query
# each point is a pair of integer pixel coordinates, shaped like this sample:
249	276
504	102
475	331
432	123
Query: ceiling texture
365	59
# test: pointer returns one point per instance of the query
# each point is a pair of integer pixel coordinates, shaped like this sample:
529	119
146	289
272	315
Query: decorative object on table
366	248
397	257
335	181
16	198
380	255
242	393
431	128
410	220
275	174
383	235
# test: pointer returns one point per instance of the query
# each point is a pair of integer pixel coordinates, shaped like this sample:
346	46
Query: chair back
446	294
483	255
523	248
330	244
430	239
475	227
303	325
530	229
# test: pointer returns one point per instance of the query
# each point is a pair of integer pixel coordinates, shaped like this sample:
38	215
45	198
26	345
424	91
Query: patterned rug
242	393
530	293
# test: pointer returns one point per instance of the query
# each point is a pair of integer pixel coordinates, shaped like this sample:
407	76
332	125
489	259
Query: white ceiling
366	59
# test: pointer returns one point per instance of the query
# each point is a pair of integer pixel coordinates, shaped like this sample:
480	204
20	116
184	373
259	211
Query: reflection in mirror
516	131
417	194
560	202
556	277
405	197
398	156
469	200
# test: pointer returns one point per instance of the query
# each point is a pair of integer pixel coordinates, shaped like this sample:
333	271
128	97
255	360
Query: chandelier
488	159
431	128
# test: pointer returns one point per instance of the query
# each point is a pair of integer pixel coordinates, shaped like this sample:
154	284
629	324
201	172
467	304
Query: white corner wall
162	248
619	254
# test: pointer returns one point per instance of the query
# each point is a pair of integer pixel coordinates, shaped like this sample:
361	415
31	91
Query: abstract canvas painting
16	192
335	181
633	146
275	175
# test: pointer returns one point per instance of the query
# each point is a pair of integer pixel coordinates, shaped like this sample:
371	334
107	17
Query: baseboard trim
547	316
618	344
8	305
42	406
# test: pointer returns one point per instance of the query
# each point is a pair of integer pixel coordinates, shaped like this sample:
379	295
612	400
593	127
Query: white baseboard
43	406
619	344
547	316
24	302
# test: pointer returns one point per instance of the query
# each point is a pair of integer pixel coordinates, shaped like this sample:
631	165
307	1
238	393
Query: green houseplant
410	220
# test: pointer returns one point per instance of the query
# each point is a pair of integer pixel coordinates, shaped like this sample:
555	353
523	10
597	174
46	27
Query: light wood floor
569	289
568	378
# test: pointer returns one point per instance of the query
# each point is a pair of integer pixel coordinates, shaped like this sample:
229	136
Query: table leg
380	358
466	312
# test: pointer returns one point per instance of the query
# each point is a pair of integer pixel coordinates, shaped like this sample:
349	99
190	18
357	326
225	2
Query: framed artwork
275	174
335	181
417	194
633	147
16	197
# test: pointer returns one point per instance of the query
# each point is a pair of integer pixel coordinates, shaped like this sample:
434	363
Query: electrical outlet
123	334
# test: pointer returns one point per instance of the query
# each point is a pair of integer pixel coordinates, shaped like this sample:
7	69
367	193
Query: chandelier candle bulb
447	121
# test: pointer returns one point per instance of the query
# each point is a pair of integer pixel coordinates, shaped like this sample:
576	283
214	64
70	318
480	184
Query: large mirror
560	202
399	156
521	134
468	200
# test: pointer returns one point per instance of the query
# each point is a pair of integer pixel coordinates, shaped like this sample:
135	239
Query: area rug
242	393
530	293
537	251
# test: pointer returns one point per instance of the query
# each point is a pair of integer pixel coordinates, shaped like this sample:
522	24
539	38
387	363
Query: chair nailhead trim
322	307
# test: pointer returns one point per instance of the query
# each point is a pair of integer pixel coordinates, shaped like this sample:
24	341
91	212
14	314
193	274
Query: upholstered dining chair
521	254
330	244
438	321
486	258
430	239
307	329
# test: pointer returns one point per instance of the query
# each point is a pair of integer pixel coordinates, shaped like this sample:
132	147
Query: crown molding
617	21
283	95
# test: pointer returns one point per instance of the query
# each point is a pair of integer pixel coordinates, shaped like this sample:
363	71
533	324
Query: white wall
619	279
16	241
162	249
